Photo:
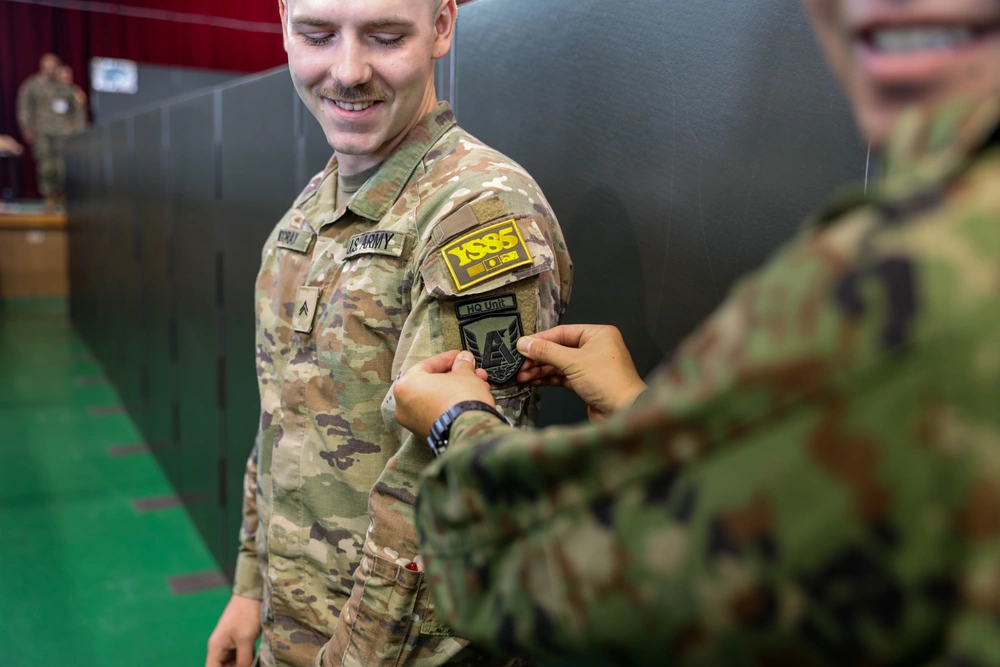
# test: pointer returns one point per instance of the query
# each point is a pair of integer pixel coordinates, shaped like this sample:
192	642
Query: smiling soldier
415	239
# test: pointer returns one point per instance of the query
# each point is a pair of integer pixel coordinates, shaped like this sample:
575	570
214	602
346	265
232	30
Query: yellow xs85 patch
486	253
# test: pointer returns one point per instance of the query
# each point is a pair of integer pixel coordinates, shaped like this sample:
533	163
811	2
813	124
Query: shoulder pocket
487	258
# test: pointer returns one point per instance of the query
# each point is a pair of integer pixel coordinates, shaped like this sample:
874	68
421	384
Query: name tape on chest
490	328
392	244
294	239
486	253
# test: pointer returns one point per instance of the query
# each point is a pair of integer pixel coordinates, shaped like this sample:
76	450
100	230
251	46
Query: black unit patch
490	328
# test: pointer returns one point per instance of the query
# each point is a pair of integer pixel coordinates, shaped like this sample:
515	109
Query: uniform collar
926	151
377	196
929	149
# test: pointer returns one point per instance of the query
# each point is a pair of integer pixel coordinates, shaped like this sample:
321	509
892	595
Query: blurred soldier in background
814	477
65	75
415	238
47	112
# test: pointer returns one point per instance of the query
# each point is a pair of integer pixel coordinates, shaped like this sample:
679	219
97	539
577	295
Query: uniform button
412	567
321	277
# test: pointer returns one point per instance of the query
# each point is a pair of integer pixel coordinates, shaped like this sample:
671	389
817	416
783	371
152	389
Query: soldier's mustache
369	92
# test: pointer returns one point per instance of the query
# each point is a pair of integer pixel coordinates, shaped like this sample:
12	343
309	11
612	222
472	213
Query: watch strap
441	429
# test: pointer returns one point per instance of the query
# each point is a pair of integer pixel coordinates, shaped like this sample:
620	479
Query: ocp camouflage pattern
48	107
50	110
813	479
328	541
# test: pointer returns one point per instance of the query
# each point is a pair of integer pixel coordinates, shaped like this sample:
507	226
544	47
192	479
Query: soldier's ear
444	28
283	12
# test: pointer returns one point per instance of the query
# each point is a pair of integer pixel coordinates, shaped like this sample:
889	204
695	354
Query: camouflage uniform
347	298
814	478
50	111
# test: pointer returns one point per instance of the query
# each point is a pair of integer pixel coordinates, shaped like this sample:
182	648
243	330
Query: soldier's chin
354	144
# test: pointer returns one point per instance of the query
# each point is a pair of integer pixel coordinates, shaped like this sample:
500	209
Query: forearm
248	580
520	547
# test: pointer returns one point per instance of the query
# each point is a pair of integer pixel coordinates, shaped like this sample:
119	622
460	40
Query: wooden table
33	256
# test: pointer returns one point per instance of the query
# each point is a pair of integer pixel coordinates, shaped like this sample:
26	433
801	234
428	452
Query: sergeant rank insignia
490	328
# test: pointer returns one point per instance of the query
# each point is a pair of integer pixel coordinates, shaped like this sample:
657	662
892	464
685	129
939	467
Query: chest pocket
364	302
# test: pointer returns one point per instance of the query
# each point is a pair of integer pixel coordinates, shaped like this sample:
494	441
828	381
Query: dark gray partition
678	142
194	192
157	83
122	270
258	184
152	192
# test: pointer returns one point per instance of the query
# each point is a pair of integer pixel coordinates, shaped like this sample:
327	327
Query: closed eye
388	41
318	40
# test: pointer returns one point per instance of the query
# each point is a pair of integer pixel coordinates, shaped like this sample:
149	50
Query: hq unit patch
490	328
486	253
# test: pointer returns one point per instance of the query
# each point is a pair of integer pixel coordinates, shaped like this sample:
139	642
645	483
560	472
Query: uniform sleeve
779	496
432	327
79	110
529	298
25	109
248	581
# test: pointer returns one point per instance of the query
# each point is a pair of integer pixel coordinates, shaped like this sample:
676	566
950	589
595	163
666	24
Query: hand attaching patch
490	328
486	253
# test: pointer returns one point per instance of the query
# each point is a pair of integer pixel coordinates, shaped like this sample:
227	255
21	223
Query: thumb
546	352
464	362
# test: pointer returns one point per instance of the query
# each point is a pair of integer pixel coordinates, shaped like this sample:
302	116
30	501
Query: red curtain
76	36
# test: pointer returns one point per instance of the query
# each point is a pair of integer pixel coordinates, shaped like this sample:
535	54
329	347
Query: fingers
217	657
441	363
555	381
567	335
546	352
244	654
538	371
464	361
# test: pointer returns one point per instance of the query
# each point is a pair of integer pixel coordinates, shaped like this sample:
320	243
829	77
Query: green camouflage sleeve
248	581
26	108
813	479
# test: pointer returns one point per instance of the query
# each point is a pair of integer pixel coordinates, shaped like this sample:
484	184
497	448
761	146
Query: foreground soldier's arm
813	479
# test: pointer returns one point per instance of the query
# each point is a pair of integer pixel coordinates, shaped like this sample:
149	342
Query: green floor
83	577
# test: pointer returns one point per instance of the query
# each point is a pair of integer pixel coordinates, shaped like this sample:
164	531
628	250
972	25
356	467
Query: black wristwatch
441	430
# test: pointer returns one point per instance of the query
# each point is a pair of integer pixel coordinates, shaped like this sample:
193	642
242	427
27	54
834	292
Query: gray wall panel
123	331
193	208
156	84
679	143
156	287
258	185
